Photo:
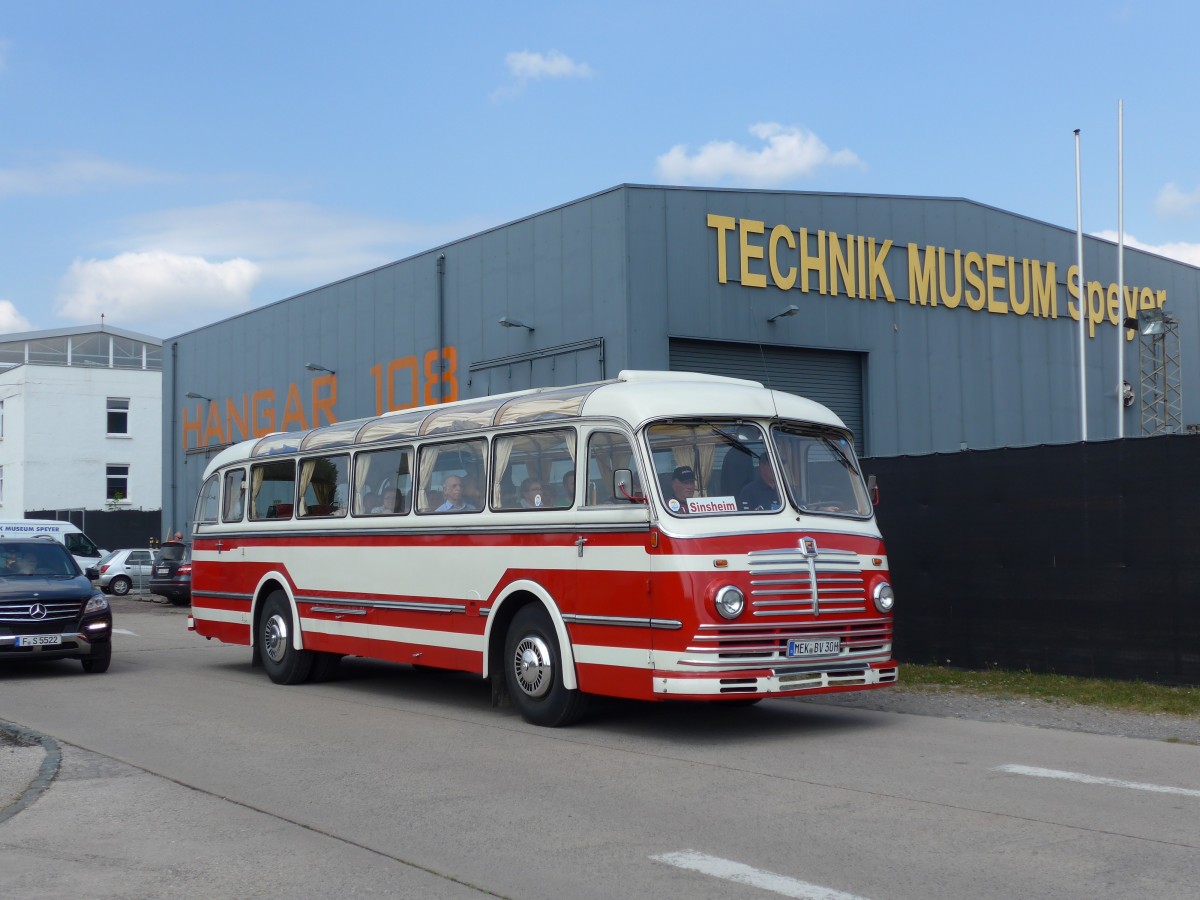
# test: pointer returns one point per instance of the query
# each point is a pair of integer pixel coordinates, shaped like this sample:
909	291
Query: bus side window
607	452
461	463
272	487
235	495
526	466
206	504
323	485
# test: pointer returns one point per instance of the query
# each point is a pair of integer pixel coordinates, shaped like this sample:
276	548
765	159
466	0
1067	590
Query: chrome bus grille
782	583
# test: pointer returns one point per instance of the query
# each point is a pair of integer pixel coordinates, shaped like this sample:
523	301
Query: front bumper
785	681
94	633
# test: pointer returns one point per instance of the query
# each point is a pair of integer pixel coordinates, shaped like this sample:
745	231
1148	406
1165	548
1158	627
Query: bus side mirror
623	486
873	490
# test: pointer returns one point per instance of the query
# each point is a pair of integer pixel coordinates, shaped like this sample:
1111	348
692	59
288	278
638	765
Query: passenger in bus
763	491
471	494
370	502
531	494
388	503
568	488
452	493
683	486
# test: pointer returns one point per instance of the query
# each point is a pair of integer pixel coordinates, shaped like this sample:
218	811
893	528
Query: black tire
120	585
283	662
533	671
180	600
99	660
325	666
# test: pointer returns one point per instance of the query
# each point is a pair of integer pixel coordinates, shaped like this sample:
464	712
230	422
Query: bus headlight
729	602
885	597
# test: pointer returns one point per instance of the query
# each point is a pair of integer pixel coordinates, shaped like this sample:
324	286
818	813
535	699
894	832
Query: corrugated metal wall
826	376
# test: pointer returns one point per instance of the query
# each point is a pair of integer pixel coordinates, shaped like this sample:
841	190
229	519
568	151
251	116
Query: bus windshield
711	467
820	471
717	467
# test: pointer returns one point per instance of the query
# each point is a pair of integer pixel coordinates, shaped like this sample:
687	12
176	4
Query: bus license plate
38	640
824	647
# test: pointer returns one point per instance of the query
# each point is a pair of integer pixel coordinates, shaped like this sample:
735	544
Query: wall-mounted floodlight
506	322
313	367
192	395
787	313
1151	321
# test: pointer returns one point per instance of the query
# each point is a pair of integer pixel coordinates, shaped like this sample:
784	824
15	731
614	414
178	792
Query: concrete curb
22	775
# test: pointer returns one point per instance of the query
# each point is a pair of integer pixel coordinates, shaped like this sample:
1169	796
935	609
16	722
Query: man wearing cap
683	485
763	491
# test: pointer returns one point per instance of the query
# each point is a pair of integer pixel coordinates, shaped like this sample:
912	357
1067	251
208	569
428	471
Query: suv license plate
824	647
37	640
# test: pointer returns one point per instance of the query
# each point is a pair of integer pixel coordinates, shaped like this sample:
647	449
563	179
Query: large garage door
828	376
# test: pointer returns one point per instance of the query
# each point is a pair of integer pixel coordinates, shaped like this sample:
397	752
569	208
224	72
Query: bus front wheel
533	671
283	662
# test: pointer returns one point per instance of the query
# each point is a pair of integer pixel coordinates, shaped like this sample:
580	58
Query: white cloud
525	67
177	269
287	240
151	291
71	175
789	153
11	319
1180	250
1172	202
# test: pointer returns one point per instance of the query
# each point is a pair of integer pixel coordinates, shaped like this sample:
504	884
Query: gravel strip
1037	713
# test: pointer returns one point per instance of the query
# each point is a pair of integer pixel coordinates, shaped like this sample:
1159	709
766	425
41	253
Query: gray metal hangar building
928	324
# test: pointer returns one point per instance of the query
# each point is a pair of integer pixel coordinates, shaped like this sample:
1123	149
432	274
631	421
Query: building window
118	483
118	415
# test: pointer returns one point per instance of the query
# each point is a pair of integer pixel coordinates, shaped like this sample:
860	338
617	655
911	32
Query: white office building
80	420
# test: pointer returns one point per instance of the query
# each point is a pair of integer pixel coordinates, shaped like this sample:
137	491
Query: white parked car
122	570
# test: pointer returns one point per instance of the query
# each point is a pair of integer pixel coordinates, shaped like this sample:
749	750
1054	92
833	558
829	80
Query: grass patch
1133	696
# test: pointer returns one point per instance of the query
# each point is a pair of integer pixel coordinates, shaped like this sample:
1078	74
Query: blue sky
169	164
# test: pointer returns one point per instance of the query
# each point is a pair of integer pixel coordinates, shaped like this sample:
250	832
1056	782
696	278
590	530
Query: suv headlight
885	597
729	602
98	603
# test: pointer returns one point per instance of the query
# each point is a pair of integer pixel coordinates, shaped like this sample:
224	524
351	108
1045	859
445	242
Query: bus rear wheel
533	671
283	662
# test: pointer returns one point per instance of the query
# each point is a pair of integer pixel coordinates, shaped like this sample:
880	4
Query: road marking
1035	772
125	631
736	872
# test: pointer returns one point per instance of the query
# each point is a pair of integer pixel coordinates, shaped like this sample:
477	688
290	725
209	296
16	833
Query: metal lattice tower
1161	388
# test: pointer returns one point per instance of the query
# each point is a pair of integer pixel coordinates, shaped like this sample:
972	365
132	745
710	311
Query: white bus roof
634	396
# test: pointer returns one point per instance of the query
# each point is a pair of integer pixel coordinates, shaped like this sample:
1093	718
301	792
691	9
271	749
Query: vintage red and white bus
657	536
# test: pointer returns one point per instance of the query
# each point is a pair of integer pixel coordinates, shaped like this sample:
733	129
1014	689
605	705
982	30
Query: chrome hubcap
533	666
275	637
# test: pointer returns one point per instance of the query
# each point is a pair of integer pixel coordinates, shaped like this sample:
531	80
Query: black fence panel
1079	559
112	530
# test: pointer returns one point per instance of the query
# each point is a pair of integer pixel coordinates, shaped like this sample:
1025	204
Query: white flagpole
1082	298
1121	268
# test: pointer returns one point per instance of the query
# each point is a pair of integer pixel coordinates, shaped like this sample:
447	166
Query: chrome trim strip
424	531
807	625
406	605
337	611
222	595
624	622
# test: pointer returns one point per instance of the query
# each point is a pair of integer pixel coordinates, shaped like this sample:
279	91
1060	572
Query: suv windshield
36	558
